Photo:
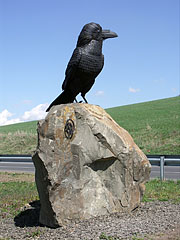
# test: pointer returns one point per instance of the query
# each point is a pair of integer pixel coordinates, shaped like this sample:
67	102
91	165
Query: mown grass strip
162	191
15	195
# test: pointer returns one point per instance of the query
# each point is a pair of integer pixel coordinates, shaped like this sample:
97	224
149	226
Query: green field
18	189
155	127
20	138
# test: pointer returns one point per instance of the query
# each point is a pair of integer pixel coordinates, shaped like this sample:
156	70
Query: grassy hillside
155	127
19	138
29	127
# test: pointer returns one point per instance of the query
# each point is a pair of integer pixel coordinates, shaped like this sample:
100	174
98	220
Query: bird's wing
72	67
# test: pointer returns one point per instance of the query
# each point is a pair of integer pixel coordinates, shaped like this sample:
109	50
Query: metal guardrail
166	160
15	158
155	160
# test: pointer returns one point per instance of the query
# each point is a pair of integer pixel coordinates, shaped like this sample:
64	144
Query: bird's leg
77	101
84	98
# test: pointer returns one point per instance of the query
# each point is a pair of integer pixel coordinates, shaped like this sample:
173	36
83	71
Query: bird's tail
65	97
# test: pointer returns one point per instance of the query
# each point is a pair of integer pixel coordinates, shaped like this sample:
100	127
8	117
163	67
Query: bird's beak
108	34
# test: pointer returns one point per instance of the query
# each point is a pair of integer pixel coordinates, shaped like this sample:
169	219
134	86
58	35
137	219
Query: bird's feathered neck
94	47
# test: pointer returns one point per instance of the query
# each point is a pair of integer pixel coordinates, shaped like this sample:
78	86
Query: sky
37	38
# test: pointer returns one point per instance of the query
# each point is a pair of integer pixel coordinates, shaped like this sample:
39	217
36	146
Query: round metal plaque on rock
69	129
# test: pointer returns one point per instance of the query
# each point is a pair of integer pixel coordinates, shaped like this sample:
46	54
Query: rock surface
86	165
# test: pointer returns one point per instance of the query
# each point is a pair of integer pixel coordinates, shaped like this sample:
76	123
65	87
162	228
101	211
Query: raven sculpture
85	64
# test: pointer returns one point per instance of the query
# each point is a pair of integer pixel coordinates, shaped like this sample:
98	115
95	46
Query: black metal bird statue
85	64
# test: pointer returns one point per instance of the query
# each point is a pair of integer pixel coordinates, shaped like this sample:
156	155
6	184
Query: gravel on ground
152	221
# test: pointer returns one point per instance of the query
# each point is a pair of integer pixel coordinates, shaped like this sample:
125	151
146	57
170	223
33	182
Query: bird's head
93	31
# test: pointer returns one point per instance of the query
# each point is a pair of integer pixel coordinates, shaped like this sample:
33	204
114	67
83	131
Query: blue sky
37	38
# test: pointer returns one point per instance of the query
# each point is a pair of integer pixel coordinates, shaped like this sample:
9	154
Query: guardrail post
162	168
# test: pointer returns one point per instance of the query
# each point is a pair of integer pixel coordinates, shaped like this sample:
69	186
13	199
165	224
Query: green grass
103	236
162	191
154	126
15	195
29	127
19	138
19	142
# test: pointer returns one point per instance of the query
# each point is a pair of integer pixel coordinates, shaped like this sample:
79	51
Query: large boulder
86	165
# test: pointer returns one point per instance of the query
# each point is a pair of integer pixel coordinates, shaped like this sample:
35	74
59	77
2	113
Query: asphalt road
28	167
171	172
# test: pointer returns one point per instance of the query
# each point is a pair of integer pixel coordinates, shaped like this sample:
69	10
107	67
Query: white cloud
36	113
4	115
133	90
99	93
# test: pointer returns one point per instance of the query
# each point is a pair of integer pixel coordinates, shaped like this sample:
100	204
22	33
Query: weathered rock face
86	165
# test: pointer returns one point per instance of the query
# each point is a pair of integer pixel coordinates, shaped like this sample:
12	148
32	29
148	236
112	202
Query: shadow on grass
29	217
